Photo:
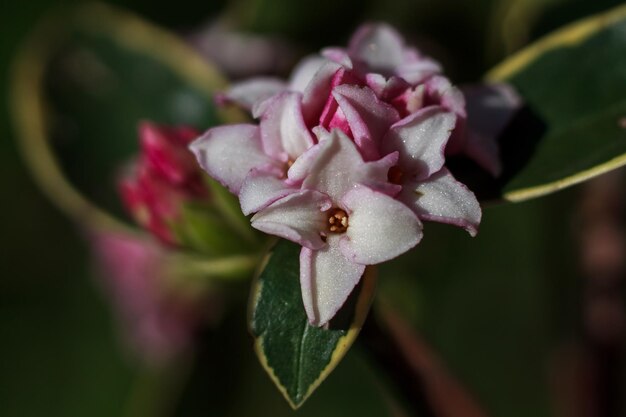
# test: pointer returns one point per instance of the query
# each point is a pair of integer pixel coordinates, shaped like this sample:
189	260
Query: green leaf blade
298	356
573	84
83	81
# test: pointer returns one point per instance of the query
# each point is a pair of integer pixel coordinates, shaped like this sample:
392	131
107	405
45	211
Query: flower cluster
347	160
163	178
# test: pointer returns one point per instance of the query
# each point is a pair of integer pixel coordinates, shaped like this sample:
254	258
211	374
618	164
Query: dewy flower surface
347	160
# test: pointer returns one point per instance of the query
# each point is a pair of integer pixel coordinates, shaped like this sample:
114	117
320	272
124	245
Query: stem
419	376
231	268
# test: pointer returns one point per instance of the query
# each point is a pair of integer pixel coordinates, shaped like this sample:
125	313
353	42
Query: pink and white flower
347	160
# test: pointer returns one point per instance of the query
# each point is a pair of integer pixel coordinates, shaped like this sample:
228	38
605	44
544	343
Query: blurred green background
499	314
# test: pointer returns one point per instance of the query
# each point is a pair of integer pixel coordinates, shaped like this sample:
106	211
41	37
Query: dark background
500	316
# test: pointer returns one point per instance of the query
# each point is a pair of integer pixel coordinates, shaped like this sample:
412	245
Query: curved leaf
82	81
574	125
296	355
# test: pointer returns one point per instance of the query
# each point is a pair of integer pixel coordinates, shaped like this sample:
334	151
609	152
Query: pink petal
327	278
298	217
410	101
262	188
317	91
379	46
421	139
283	132
250	92
331	116
369	118
379	227
440	91
228	153
443	199
386	88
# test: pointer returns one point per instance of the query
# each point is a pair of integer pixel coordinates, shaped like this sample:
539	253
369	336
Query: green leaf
296	355
573	126
81	83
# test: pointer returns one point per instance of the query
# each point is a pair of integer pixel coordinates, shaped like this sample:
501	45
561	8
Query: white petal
260	189
253	91
304	72
379	46
228	153
421	138
379	227
417	71
283	132
327	278
298	217
334	166
369	118
443	199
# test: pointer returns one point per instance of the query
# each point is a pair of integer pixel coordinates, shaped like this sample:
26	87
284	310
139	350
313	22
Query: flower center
395	175
337	221
285	168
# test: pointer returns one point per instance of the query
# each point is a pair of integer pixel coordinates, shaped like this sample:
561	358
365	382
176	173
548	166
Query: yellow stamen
337	221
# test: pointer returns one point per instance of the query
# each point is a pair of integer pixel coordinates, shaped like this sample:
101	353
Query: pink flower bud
164	177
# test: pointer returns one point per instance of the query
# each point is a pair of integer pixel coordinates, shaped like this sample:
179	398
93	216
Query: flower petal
421	139
327	278
379	227
369	118
283	132
228	153
335	165
317	91
305	72
338	55
417	71
440	91
484	150
490	108
260	189
444	199
298	217
253	91
379	46
386	88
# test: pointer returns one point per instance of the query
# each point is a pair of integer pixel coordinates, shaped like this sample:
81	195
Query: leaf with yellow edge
296	355
82	81
573	125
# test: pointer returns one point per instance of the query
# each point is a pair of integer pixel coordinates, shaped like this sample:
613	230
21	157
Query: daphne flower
428	188
252	161
344	219
355	193
378	52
